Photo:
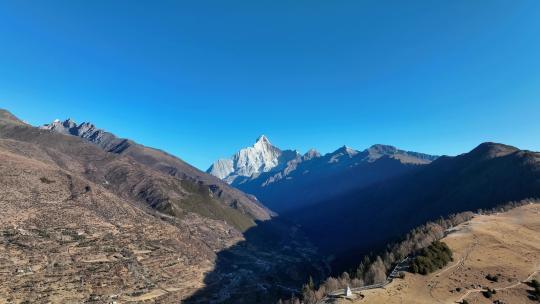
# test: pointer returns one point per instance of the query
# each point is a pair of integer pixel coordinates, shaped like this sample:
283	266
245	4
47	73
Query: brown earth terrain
66	239
506	245
79	224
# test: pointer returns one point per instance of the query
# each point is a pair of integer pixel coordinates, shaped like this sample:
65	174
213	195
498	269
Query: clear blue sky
202	79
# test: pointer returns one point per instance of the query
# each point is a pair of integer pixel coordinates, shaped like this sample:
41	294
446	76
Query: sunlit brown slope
147	175
79	223
66	239
505	244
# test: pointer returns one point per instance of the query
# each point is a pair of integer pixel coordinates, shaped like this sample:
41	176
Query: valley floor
505	244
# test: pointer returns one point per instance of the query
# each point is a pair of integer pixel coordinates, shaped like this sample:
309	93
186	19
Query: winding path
460	263
497	289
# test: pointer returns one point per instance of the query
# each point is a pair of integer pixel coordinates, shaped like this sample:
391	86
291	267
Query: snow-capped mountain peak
251	161
262	139
262	143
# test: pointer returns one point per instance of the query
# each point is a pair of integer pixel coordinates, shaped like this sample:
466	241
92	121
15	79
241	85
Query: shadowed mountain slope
312	178
366	219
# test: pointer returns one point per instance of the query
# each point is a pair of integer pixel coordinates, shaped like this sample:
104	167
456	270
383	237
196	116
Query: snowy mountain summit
251	161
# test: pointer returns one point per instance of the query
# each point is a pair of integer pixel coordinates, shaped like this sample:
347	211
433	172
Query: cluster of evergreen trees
431	258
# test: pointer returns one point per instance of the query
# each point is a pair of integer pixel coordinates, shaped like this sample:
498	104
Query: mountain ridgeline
286	180
194	191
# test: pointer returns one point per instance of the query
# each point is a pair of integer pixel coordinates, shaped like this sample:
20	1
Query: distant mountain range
285	179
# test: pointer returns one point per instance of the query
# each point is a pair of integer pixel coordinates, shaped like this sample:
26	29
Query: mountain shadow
273	262
366	219
318	180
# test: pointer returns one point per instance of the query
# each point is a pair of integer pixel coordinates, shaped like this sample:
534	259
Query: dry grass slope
505	244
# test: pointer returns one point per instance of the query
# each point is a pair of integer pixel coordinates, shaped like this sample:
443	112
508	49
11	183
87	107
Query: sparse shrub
9	233
331	284
78	237
492	278
357	282
43	233
46	180
489	293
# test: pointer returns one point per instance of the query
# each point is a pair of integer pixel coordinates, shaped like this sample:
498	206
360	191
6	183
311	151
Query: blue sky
202	79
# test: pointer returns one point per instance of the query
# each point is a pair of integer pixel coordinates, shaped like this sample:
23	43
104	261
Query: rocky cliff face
89	132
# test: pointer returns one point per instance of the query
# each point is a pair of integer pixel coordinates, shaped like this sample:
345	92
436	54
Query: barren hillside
79	223
66	239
